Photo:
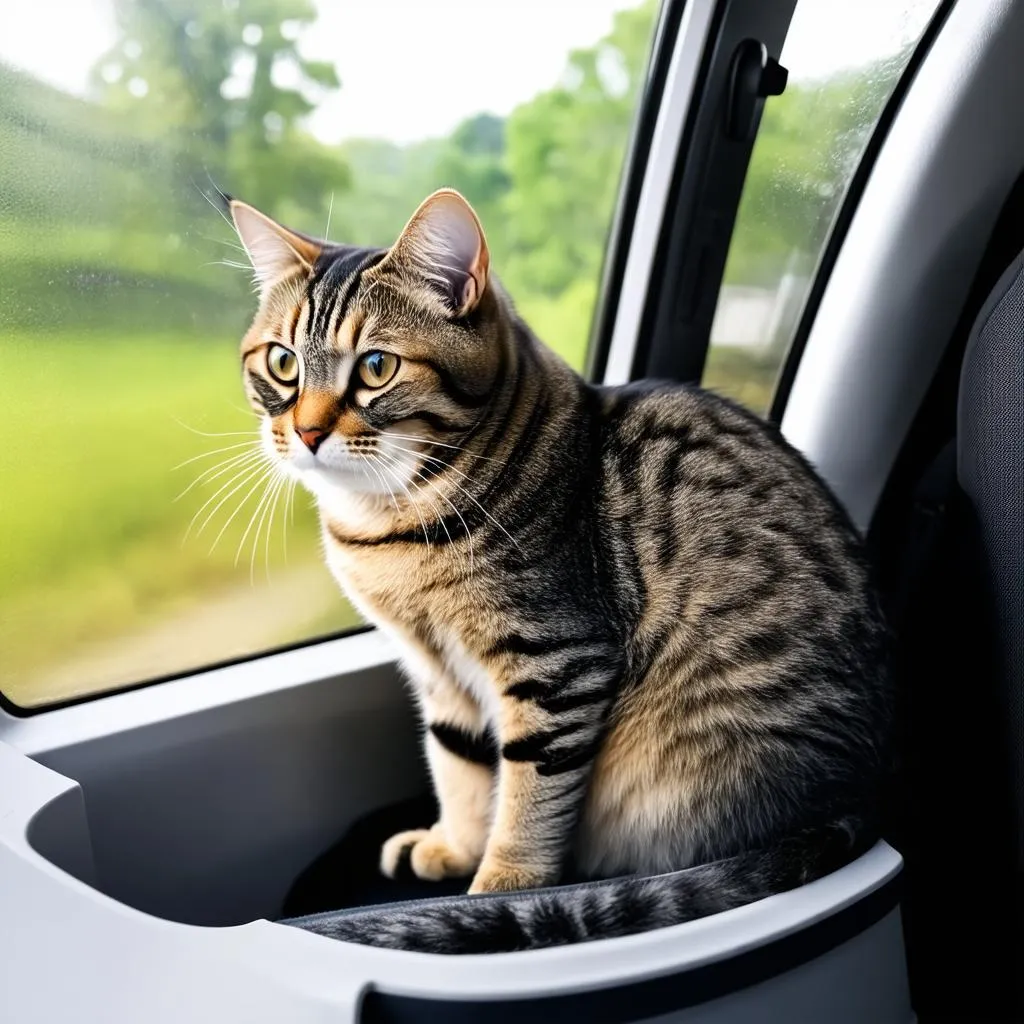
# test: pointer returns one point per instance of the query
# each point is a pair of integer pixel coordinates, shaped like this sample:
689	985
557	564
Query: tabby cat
638	627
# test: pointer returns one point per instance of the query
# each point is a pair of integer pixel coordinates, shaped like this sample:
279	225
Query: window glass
138	539
844	60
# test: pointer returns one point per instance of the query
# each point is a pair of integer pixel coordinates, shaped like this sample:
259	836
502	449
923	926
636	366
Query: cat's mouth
351	465
333	464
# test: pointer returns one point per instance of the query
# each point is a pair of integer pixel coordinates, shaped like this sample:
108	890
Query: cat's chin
331	472
329	484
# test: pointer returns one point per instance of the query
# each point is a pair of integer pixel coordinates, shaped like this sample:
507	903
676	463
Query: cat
639	628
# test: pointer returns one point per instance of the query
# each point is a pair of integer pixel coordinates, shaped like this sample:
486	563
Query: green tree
473	160
389	181
227	84
565	150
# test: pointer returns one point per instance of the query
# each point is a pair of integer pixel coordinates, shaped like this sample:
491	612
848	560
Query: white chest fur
464	670
471	677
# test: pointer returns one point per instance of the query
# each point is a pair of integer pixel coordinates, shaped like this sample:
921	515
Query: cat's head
357	358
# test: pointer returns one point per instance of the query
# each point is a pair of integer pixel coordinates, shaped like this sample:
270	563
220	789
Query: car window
844	61
141	538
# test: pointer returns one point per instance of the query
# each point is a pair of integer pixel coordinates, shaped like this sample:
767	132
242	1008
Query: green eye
377	368
283	364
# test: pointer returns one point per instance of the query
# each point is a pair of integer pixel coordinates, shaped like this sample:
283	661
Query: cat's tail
536	919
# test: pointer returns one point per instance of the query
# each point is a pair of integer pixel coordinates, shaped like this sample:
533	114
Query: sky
412	69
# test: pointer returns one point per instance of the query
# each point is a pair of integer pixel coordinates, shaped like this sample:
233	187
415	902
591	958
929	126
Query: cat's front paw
496	877
429	855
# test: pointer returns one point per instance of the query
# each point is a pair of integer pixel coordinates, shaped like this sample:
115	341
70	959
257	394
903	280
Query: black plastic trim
647	999
643	342
704	196
847	209
613	269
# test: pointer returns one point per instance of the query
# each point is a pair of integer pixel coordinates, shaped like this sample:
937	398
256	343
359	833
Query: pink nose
312	437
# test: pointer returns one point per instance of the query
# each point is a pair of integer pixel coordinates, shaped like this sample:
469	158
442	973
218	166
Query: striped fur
510	922
639	628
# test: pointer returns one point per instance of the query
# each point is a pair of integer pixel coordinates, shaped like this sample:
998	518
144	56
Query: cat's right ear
274	252
444	245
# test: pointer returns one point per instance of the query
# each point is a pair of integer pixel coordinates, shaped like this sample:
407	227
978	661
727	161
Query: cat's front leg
550	727
461	756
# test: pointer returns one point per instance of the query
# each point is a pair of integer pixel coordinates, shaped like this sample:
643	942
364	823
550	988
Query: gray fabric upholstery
991	473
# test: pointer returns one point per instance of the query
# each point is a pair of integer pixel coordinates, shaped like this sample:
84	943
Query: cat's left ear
445	245
275	251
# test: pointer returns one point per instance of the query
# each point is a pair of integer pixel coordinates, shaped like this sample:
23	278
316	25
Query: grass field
93	546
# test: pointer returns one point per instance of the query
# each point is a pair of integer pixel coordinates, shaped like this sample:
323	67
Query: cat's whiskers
288	516
381	480
243	476
211	473
260	481
220	212
420	488
458	486
365	470
283	491
455	509
401	483
215	451
256	477
268	503
219	433
330	210
441	444
368	467
227	263
222	241
276	494
245	410
265	481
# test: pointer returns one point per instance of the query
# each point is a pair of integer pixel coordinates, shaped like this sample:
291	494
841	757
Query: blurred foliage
565	151
118	322
195	94
226	86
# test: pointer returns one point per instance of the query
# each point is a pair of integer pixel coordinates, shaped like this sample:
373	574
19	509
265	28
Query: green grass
93	547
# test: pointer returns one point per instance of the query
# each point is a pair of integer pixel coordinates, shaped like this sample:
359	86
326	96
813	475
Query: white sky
414	68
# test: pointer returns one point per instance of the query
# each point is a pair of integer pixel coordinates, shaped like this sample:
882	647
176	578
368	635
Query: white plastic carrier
831	951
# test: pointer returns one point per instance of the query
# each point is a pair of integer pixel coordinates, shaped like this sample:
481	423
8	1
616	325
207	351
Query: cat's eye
283	364
377	368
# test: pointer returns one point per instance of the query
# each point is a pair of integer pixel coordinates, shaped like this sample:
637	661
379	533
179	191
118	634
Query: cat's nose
312	437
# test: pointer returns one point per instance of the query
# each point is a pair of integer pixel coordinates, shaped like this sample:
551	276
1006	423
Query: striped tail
537	919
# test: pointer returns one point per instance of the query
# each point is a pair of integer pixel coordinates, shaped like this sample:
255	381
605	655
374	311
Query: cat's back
731	542
714	500
757	652
704	449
